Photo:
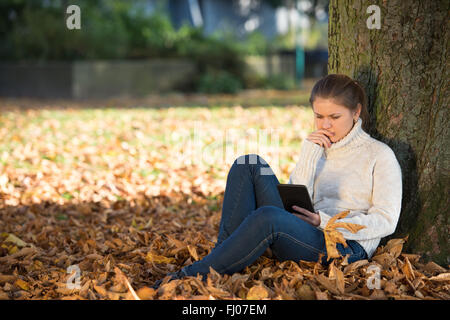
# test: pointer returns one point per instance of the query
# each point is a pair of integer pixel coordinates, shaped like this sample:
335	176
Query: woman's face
333	117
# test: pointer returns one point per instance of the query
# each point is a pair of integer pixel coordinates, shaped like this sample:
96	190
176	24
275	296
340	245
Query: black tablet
295	194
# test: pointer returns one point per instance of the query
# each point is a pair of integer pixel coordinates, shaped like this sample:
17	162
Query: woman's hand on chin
321	137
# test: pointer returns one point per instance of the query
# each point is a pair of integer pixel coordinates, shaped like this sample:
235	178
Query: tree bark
404	67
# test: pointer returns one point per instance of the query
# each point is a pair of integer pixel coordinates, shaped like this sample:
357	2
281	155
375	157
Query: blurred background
140	47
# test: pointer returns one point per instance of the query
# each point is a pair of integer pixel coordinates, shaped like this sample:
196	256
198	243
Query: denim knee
251	158
253	162
266	217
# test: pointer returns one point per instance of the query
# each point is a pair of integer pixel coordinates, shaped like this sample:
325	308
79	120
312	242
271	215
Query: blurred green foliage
279	82
219	81
35	30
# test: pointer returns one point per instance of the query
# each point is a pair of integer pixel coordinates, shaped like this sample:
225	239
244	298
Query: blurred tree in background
35	30
114	29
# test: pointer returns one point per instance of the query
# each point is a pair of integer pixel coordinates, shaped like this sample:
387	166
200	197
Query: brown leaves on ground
93	205
333	236
127	273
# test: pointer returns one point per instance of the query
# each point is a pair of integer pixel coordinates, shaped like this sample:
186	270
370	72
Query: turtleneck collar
353	139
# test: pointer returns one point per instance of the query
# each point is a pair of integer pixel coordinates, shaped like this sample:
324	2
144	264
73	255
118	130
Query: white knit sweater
357	173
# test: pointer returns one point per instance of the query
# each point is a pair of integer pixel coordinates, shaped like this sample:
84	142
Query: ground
98	199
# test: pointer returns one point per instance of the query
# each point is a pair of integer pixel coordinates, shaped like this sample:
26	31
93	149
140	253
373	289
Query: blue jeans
253	219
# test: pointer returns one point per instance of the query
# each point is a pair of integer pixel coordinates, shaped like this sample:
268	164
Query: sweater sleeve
323	219
305	168
382	217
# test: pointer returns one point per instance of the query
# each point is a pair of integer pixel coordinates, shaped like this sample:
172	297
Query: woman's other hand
308	216
321	137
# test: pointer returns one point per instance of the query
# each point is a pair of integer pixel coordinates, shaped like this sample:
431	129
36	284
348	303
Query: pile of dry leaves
121	250
97	204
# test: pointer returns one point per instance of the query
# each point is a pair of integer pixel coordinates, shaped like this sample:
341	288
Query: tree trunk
404	67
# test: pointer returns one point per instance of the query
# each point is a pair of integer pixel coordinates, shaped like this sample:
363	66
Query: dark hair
344	91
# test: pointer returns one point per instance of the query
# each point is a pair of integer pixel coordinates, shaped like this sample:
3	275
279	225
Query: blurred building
240	17
245	16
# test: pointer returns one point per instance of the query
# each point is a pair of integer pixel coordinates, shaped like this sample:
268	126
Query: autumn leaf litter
83	205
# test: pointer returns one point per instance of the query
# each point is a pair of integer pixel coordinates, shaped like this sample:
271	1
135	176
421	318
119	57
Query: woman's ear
358	111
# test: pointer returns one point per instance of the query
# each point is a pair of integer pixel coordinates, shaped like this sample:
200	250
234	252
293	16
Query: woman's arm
382	217
305	168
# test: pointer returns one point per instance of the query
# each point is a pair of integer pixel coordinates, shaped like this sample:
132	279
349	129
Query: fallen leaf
151	257
146	293
340	282
94	256
193	252
384	259
22	284
17	241
333	236
390	287
3	295
305	292
167	290
84	289
321	295
433	268
355	265
12	250
327	283
408	270
395	246
24	252
441	277
257	293
121	276
84	209
7	278
377	294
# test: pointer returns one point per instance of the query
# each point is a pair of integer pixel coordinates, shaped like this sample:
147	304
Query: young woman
343	168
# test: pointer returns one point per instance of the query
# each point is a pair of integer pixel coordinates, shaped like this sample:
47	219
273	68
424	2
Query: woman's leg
253	219
290	238
251	184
